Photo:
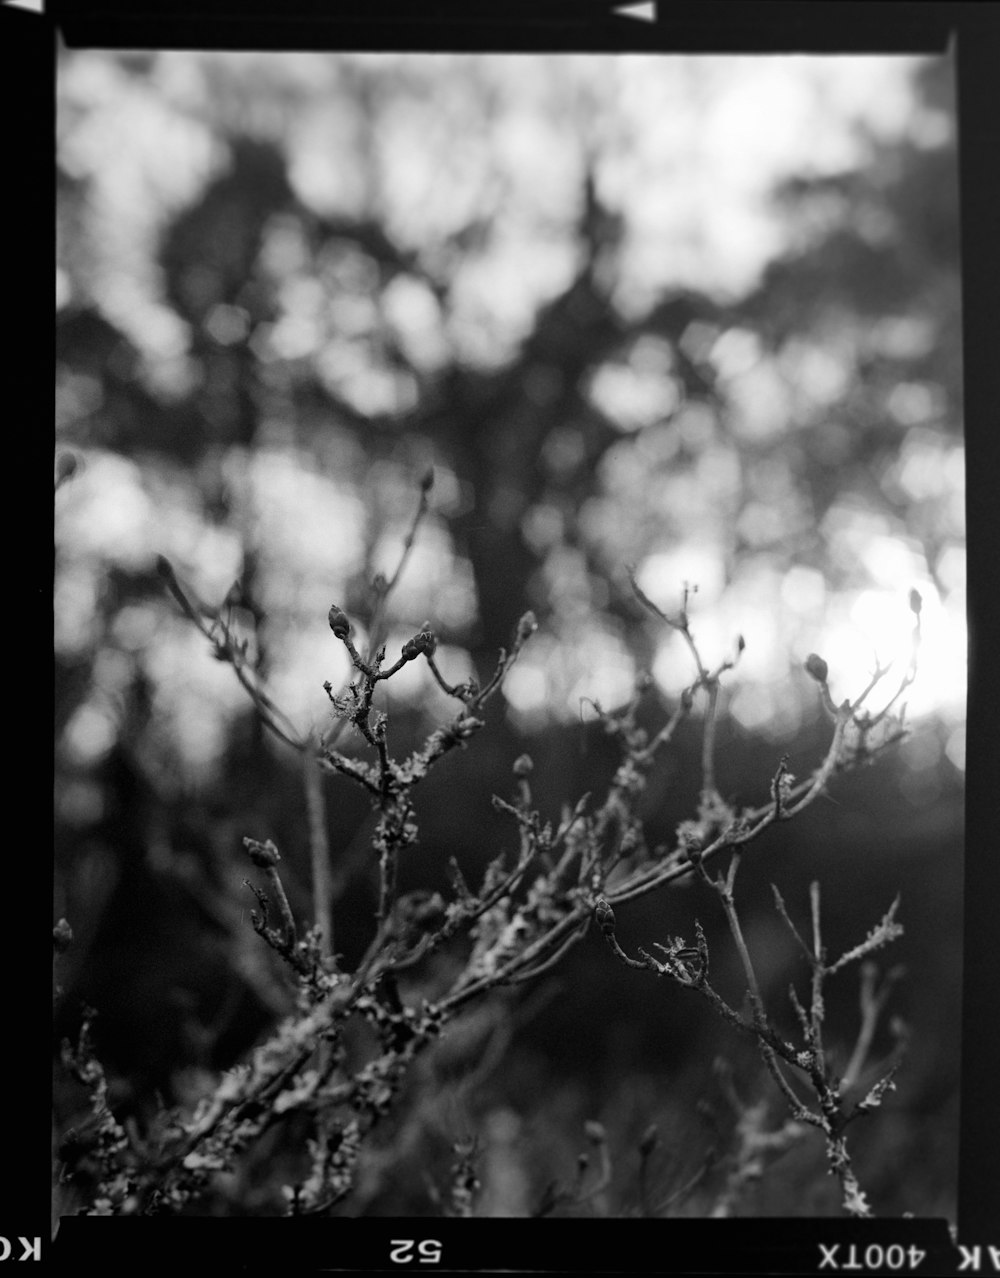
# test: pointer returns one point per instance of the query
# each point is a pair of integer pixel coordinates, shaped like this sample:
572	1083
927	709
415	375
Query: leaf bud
427	480
523	765
595	1132
62	936
527	626
916	603
605	916
339	624
263	855
422	641
817	667
164	568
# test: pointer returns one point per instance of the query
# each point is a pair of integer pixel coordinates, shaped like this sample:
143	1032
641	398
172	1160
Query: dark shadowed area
695	319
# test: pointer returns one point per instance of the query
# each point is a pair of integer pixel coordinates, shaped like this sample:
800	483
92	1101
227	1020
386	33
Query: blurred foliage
287	285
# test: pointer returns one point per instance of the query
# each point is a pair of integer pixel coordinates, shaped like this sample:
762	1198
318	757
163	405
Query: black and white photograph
510	635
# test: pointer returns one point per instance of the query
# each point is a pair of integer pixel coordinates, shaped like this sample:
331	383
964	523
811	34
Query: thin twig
319	851
708	740
872	1000
384	587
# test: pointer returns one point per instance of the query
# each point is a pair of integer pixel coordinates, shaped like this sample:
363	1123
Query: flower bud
527	626
339	624
605	916
595	1132
916	603
817	668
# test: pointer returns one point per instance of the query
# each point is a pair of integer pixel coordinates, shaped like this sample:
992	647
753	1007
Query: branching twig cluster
688	966
520	920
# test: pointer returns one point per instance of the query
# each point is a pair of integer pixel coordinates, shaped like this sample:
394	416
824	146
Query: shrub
339	1064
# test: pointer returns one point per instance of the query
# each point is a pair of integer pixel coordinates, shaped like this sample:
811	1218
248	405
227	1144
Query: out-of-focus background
695	315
